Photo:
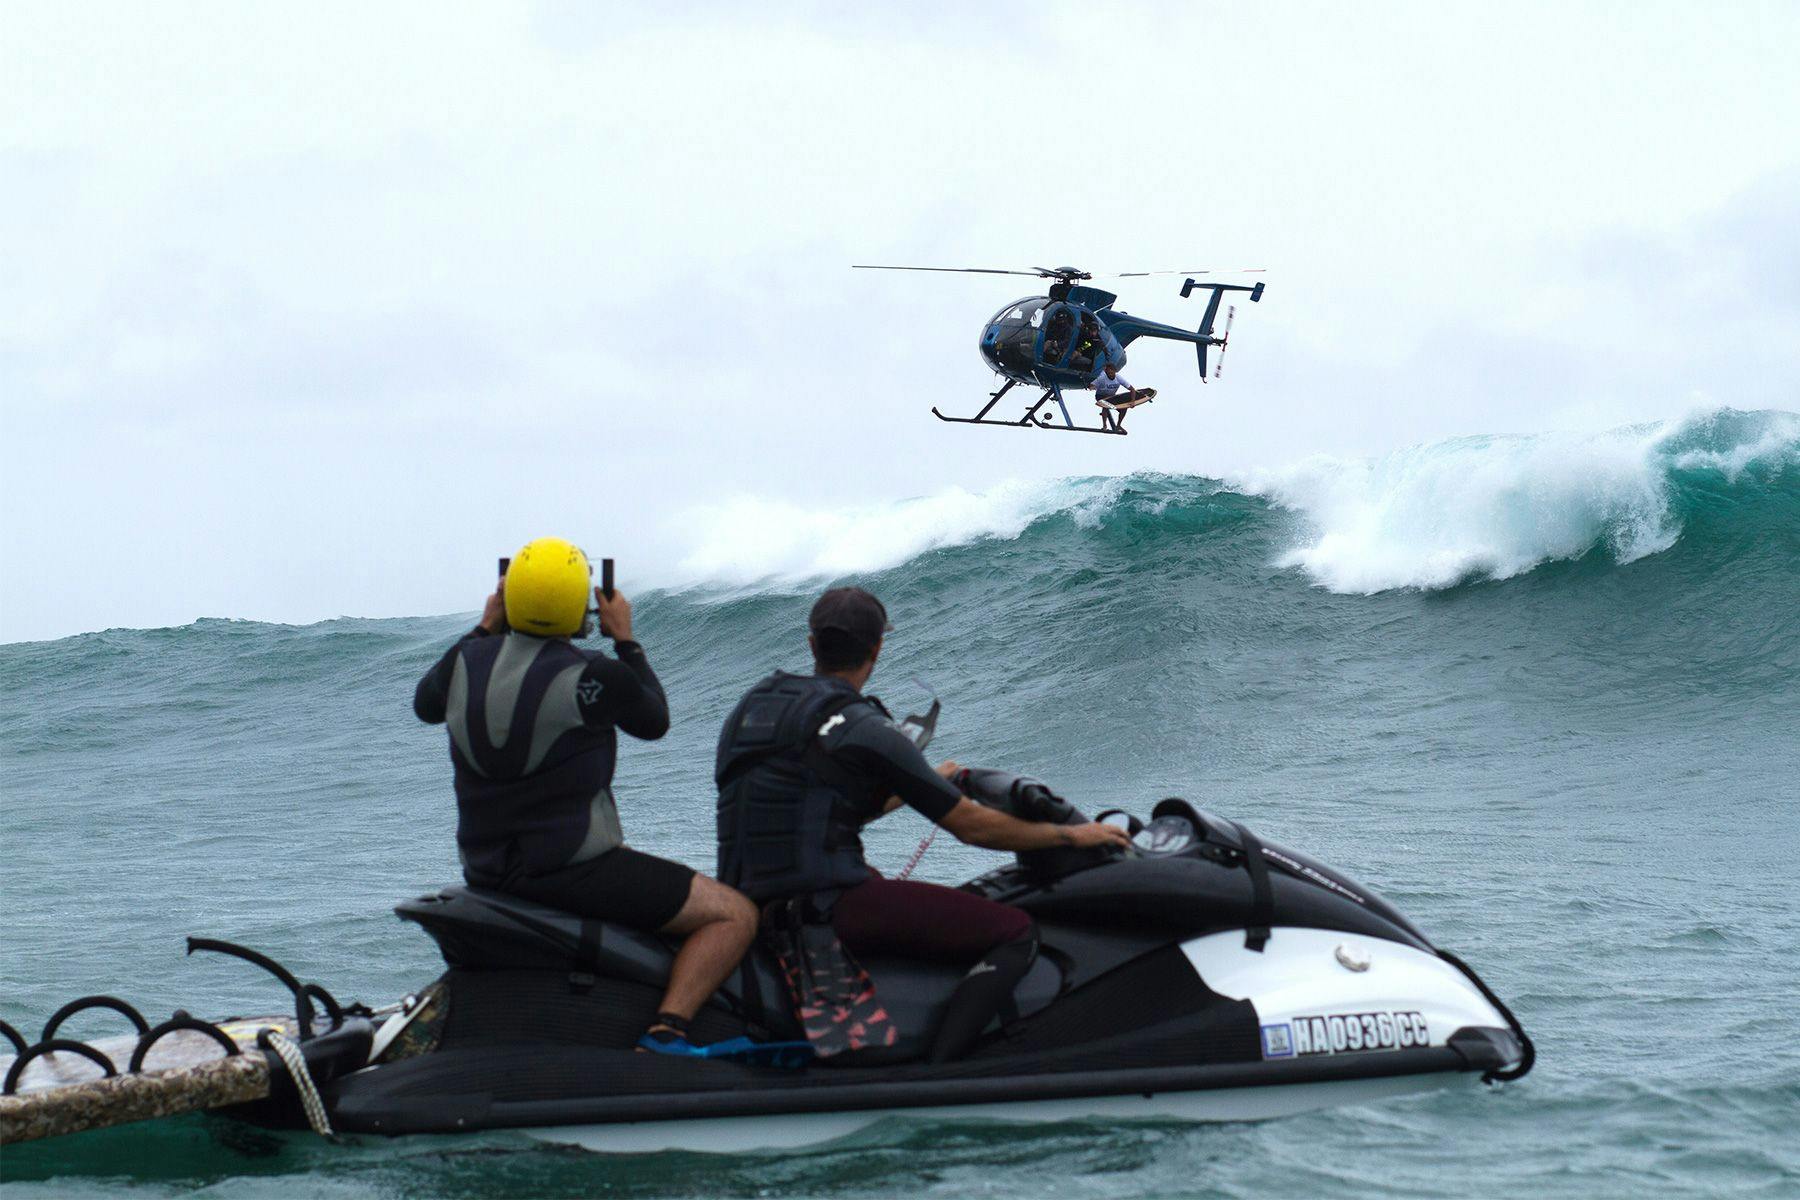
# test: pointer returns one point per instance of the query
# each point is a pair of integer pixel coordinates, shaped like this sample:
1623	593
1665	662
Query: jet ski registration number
1344	1033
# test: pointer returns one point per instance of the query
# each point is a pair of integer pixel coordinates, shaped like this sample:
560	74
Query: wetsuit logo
588	690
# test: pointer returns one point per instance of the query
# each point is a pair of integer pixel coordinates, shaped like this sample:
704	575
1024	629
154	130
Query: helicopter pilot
1088	344
1056	336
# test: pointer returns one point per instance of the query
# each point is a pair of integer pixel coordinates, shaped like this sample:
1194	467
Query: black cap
852	612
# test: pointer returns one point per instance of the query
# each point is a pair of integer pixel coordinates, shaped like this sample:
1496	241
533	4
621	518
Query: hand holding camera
493	613
615	613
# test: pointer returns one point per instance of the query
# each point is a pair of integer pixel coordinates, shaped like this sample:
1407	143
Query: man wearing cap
805	761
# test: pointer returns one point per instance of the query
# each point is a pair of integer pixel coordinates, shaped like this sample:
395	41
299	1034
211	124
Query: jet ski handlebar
1018	796
1032	800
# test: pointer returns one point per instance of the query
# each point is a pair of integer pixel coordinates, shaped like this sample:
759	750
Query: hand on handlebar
1097	834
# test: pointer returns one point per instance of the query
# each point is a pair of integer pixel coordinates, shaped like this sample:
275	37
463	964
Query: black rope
332	1008
12	1035
74	1006
174	1023
303	1009
1528	1050
51	1047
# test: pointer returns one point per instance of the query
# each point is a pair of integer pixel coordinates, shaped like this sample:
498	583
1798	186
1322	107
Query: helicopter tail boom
1128	328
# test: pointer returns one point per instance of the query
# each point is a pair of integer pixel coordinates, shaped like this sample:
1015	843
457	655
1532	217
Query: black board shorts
639	890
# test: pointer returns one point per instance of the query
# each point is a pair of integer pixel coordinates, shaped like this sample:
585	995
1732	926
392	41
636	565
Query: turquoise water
1541	693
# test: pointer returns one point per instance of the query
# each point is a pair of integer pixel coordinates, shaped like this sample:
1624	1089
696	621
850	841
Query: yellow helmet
547	588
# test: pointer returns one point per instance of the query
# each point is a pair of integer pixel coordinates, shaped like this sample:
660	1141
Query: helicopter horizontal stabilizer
1218	291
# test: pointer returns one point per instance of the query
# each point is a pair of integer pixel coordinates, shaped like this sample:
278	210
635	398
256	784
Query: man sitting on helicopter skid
1106	386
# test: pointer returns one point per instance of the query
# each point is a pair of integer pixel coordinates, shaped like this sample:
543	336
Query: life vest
789	822
533	781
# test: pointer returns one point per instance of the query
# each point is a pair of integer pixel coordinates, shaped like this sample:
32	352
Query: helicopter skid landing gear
1031	419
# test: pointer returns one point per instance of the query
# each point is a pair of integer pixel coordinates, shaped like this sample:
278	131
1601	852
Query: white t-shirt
1104	388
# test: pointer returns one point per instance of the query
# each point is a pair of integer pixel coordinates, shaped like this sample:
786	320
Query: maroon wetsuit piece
909	919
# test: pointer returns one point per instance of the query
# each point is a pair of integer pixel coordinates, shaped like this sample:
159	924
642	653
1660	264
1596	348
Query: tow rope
918	854
295	1062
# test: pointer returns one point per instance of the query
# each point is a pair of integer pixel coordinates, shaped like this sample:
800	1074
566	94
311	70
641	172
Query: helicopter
1063	339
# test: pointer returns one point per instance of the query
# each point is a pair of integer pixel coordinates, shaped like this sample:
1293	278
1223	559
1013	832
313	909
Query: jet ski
1205	975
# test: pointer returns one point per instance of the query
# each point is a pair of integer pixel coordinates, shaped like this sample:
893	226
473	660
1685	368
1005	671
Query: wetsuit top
532	740
1106	388
804	762
875	751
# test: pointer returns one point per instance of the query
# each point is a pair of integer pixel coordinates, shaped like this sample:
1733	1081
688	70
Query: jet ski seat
489	930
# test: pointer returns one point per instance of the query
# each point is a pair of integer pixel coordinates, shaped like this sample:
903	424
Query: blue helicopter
1064	339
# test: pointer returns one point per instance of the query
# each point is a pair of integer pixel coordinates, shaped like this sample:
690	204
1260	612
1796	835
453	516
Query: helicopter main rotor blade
1066	273
951	270
1208	271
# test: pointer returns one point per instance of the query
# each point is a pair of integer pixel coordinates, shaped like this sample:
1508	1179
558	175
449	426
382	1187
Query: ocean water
1542	693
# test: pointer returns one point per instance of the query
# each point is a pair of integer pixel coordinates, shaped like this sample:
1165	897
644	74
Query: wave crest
1428	517
750	540
1433	516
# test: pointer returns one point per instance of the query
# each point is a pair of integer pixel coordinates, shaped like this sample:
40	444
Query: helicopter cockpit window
1010	341
1029	311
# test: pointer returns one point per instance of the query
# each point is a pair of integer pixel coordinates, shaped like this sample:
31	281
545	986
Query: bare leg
718	924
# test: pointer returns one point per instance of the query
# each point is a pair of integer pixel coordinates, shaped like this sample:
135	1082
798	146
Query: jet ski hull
1206	1030
843	1102
786	1131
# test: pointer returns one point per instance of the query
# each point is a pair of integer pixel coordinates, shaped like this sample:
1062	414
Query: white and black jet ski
1207	975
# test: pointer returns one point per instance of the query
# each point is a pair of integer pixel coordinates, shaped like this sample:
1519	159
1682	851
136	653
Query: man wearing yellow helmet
532	722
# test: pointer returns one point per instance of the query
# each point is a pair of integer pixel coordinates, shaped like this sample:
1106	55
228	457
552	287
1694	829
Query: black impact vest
533	781
788	821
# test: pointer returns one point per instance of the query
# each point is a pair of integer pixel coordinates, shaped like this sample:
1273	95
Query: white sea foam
1432	516
751	540
1776	441
1429	516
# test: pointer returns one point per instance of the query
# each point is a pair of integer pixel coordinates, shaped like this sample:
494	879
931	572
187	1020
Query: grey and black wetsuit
805	762
532	739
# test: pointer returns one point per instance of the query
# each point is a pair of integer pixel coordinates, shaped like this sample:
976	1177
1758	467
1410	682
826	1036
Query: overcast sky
315	309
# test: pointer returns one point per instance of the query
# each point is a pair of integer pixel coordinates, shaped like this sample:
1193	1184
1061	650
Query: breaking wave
750	540
1427	517
1437	515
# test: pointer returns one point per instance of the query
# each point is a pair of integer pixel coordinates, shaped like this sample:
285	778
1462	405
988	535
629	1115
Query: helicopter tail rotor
1224	345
